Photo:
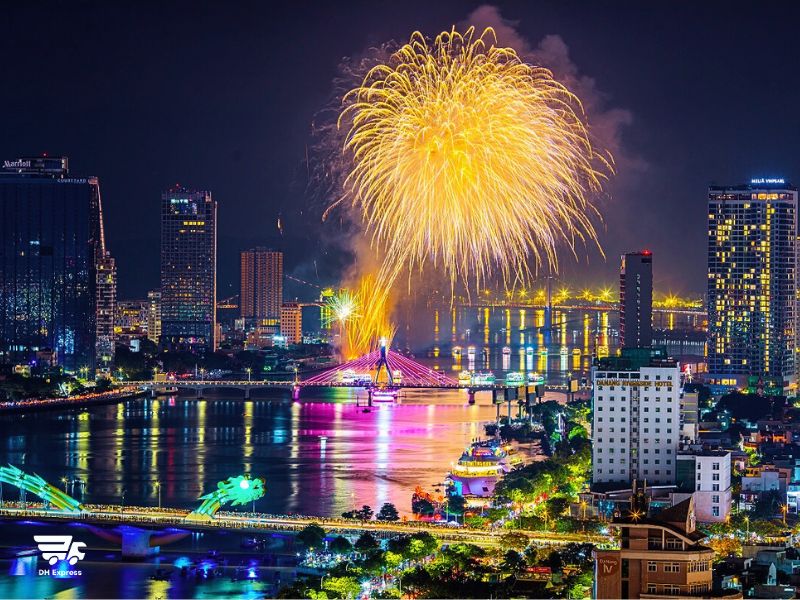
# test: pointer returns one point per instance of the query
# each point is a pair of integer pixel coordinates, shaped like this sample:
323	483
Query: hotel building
752	263
636	417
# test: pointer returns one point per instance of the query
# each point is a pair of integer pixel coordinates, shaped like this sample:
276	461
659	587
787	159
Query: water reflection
317	456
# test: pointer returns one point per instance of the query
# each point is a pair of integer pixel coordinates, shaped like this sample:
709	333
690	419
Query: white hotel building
636	422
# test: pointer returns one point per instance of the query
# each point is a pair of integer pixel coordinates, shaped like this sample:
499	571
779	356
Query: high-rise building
106	307
636	300
292	322
188	270
154	316
752	265
262	283
636	417
51	245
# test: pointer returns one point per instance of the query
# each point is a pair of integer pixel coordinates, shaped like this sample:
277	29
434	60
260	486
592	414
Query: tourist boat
384	394
535	378
515	378
350	377
480	467
483	378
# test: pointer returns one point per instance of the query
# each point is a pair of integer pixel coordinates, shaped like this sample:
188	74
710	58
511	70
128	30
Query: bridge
383	373
175	523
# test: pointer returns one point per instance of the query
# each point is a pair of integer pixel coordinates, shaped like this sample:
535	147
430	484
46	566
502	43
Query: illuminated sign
16	164
634	382
767	180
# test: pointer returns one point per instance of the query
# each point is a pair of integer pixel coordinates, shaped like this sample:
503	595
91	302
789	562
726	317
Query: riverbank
92	399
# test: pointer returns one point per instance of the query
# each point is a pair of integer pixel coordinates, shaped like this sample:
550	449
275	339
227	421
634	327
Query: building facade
752	259
188	270
154	316
659	556
51	240
261	294
636	417
707	475
636	300
106	309
292	323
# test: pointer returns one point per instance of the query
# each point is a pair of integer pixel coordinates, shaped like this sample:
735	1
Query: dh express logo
57	548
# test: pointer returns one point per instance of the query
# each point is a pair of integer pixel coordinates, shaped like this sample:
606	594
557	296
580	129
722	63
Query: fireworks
341	309
362	317
465	157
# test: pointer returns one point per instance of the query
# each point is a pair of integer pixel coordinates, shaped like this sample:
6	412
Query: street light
157	485
747	524
784	510
64	480
202	374
249	371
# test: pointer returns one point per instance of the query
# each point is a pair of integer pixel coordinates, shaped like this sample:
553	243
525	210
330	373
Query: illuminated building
325	312
636	300
292	322
707	475
752	243
131	320
188	270
106	306
636	417
51	235
262	283
154	316
660	556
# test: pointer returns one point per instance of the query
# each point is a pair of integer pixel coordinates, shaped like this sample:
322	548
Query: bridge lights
157	485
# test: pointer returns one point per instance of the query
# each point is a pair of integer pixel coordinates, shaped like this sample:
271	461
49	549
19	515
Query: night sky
222	96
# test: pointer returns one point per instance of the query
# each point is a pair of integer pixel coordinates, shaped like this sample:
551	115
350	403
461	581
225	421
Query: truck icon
60	547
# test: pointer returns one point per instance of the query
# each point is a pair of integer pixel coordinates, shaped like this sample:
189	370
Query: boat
384	395
483	378
514	378
535	378
464	378
350	377
480	467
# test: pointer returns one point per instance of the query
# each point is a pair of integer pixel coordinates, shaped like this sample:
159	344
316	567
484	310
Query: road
260	522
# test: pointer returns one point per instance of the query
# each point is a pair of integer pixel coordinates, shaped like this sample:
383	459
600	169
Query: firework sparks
362	317
463	156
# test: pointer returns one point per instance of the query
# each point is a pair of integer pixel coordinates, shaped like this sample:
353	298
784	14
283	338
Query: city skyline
255	159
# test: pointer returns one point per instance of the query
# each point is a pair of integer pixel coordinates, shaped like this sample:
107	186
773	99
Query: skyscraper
262	283
154	316
636	299
752	265
51	244
106	309
188	270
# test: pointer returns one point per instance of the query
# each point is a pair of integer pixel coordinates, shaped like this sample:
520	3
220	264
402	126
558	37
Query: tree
364	513
456	505
514	541
340	545
513	561
312	536
343	587
388	512
422	506
366	542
